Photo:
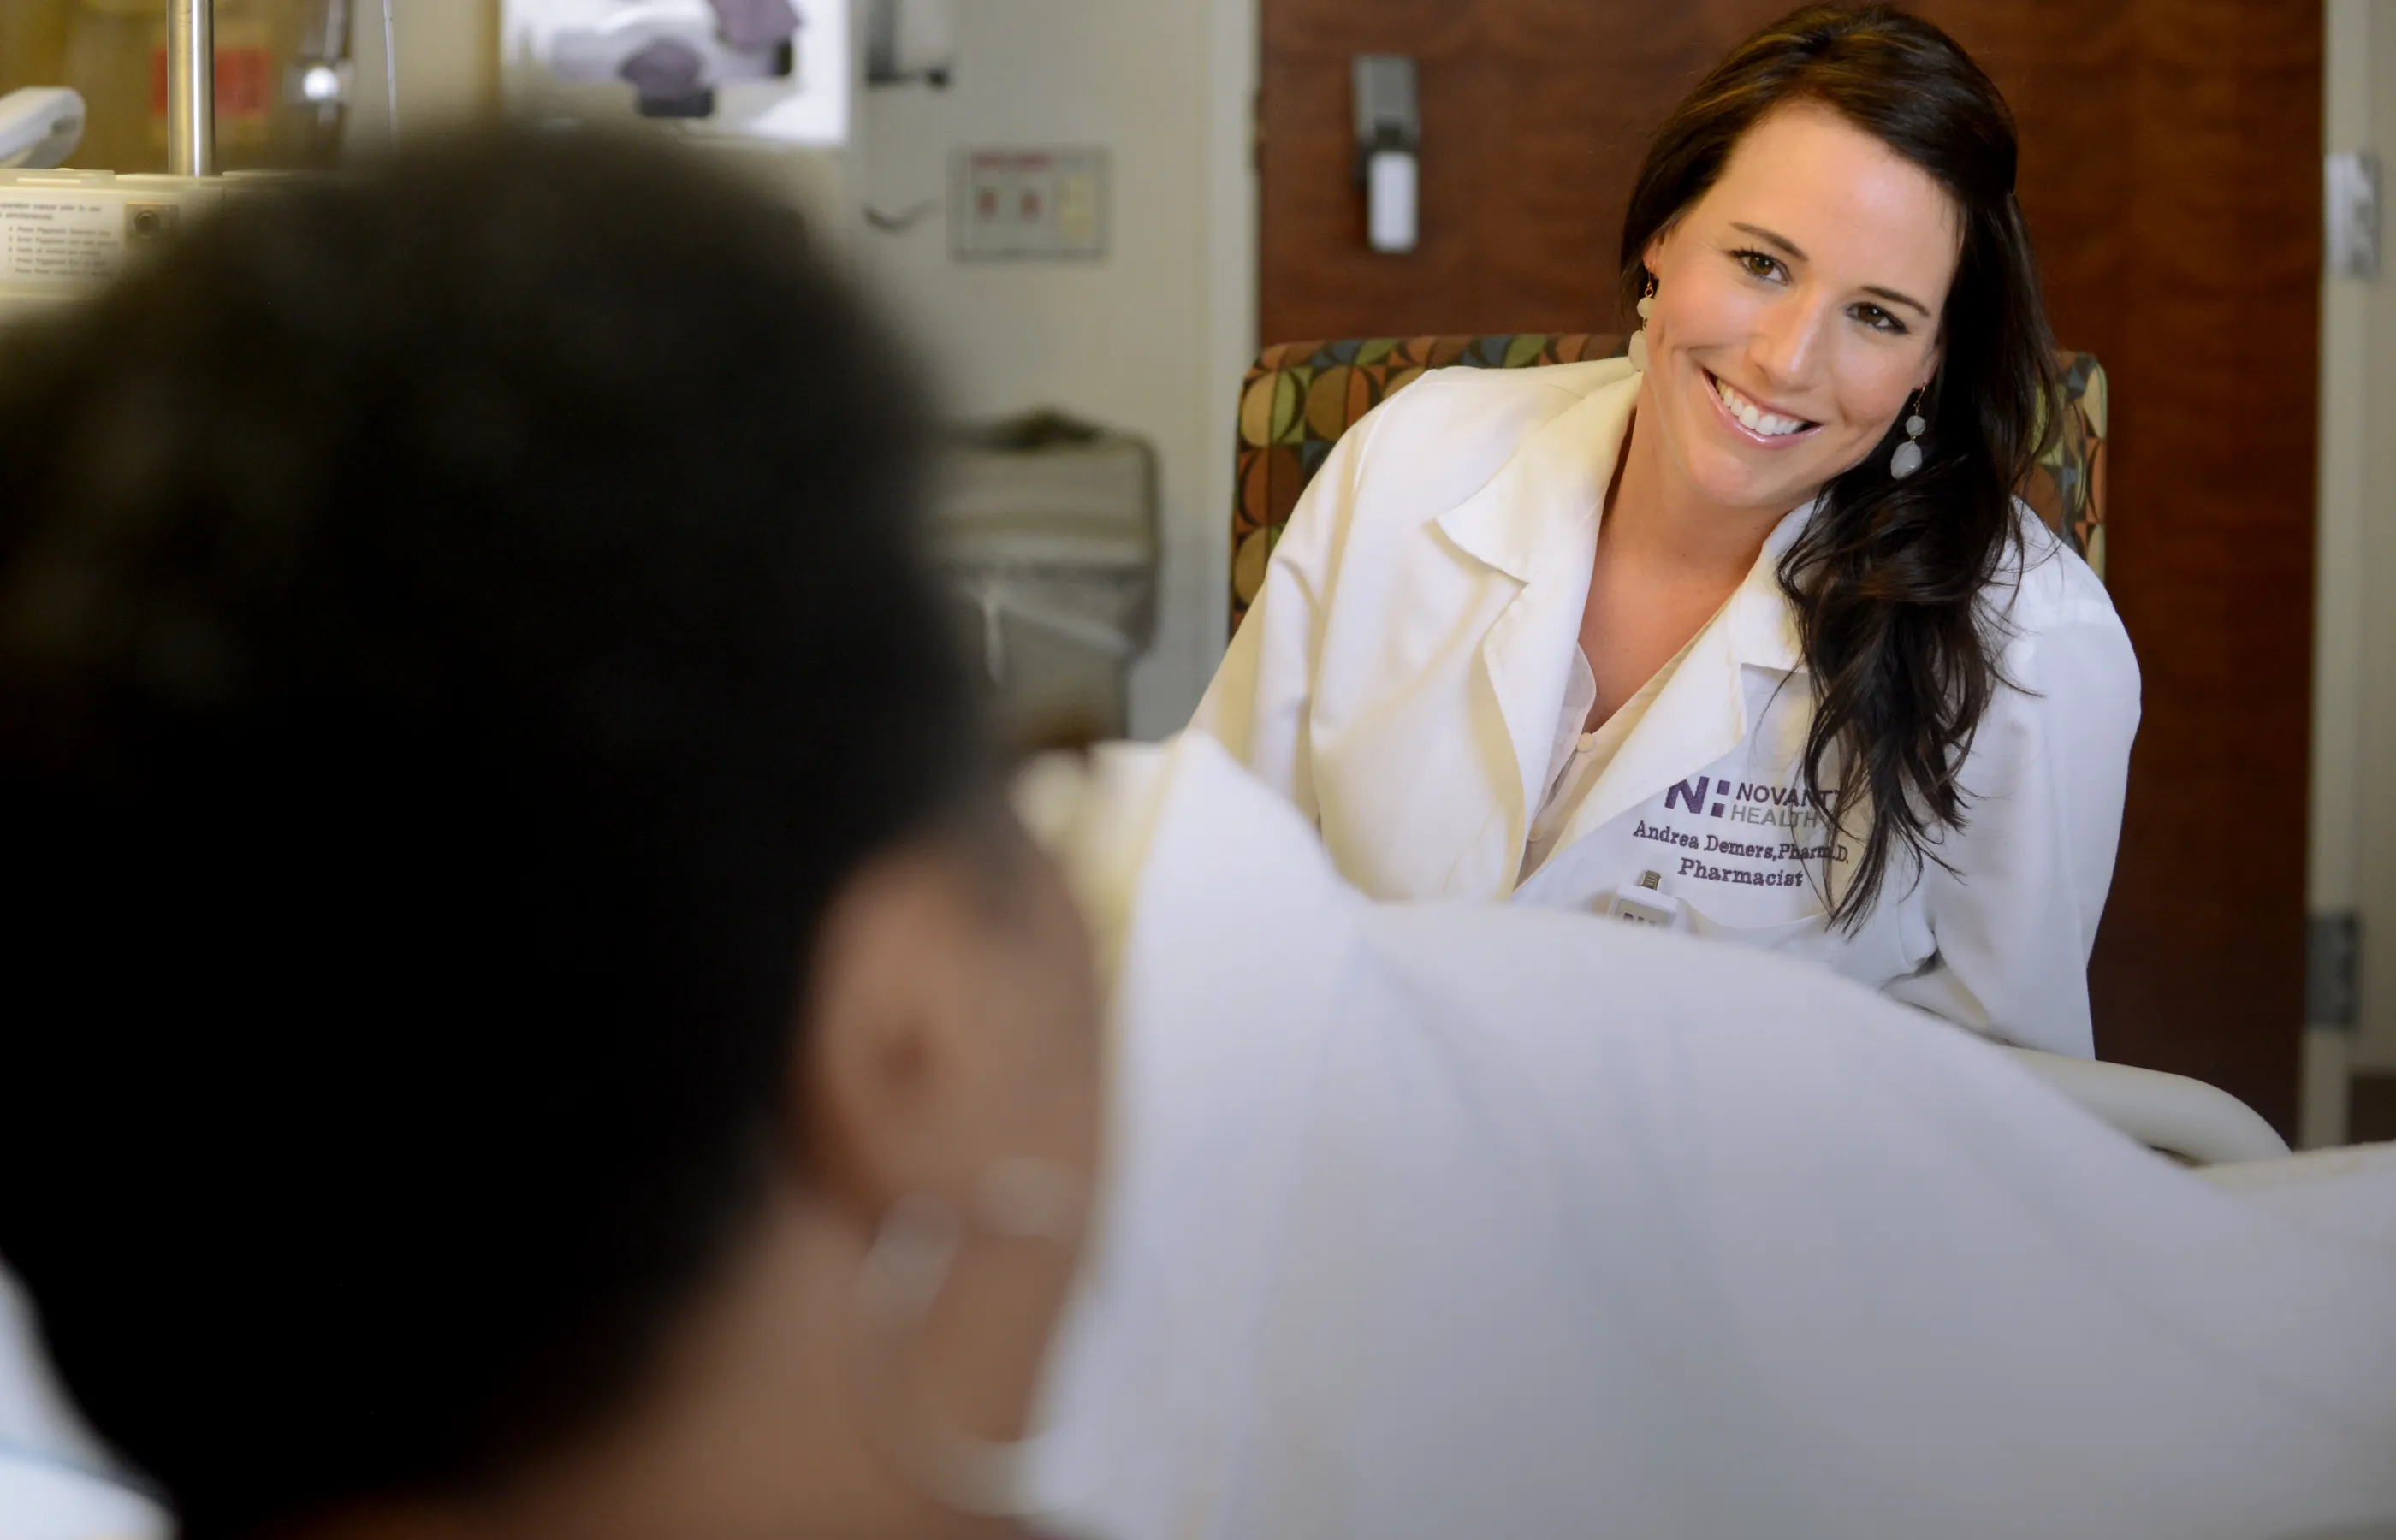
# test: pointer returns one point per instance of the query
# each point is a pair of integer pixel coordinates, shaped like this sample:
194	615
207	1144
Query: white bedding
1434	1222
2349	1192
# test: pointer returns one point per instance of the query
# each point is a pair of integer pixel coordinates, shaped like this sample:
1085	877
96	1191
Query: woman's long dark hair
1888	574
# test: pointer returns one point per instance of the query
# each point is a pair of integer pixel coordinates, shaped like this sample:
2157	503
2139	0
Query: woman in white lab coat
1745	634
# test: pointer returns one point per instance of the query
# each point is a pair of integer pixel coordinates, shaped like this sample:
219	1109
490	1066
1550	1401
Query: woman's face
1796	310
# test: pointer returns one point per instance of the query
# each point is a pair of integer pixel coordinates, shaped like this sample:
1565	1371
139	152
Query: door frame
1233	65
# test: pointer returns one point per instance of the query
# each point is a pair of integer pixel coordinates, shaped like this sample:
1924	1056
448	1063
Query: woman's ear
1930	365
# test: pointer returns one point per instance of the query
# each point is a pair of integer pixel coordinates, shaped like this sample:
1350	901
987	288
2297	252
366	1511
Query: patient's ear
951	1024
885	1059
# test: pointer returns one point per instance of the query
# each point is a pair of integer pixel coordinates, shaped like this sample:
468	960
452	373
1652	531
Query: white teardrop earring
1907	458
1637	350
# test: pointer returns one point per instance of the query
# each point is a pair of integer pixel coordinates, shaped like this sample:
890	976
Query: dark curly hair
460	623
1888	576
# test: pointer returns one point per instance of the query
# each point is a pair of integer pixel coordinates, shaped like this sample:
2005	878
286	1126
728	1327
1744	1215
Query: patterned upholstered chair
1299	397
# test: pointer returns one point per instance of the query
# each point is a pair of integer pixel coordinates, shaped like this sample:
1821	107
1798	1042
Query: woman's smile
1753	421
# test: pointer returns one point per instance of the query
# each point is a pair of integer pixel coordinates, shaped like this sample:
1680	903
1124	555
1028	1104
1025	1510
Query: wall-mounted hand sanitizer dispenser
1388	136
911	41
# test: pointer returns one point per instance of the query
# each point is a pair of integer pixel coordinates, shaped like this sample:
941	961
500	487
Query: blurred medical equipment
282	75
390	67
191	88
63	231
40	126
673	58
770	69
1048	529
781	65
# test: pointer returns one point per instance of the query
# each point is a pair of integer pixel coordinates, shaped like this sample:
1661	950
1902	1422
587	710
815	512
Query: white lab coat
1442	1220
1401	676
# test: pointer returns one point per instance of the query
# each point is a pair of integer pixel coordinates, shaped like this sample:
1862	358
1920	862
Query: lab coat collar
1552	486
1701	713
1538	518
1536	522
1761	623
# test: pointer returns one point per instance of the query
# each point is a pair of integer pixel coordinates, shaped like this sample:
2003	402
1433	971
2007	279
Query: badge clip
1647	904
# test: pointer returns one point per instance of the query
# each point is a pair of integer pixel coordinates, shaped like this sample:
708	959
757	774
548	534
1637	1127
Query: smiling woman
1814	216
1530	631
1740	298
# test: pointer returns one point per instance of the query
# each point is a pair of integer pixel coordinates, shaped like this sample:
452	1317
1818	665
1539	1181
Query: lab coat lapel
1701	714
1698	717
1535	523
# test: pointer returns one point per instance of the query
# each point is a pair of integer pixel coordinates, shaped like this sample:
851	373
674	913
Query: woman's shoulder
2048	607
2039	580
1445	436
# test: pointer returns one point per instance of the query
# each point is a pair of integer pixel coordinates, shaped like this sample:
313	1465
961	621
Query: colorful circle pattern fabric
1299	397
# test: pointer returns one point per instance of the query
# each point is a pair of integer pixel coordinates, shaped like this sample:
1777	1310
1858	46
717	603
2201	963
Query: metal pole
191	88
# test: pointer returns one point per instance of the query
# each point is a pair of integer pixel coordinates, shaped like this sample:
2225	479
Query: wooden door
2171	172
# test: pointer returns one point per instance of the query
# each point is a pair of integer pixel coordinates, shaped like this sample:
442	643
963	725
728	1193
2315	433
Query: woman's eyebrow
1907	299
1793	250
1772	238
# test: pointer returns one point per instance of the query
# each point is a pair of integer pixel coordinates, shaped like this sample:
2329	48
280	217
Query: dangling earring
1637	352
1907	458
902	1278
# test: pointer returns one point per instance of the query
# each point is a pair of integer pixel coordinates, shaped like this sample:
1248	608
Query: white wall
1153	337
2353	861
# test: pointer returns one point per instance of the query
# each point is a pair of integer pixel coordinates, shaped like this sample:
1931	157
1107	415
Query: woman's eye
1757	264
1879	319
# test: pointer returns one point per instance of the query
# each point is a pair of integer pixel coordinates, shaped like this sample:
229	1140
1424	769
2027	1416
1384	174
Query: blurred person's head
520	959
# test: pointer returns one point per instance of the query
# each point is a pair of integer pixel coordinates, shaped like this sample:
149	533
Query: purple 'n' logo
1692	791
